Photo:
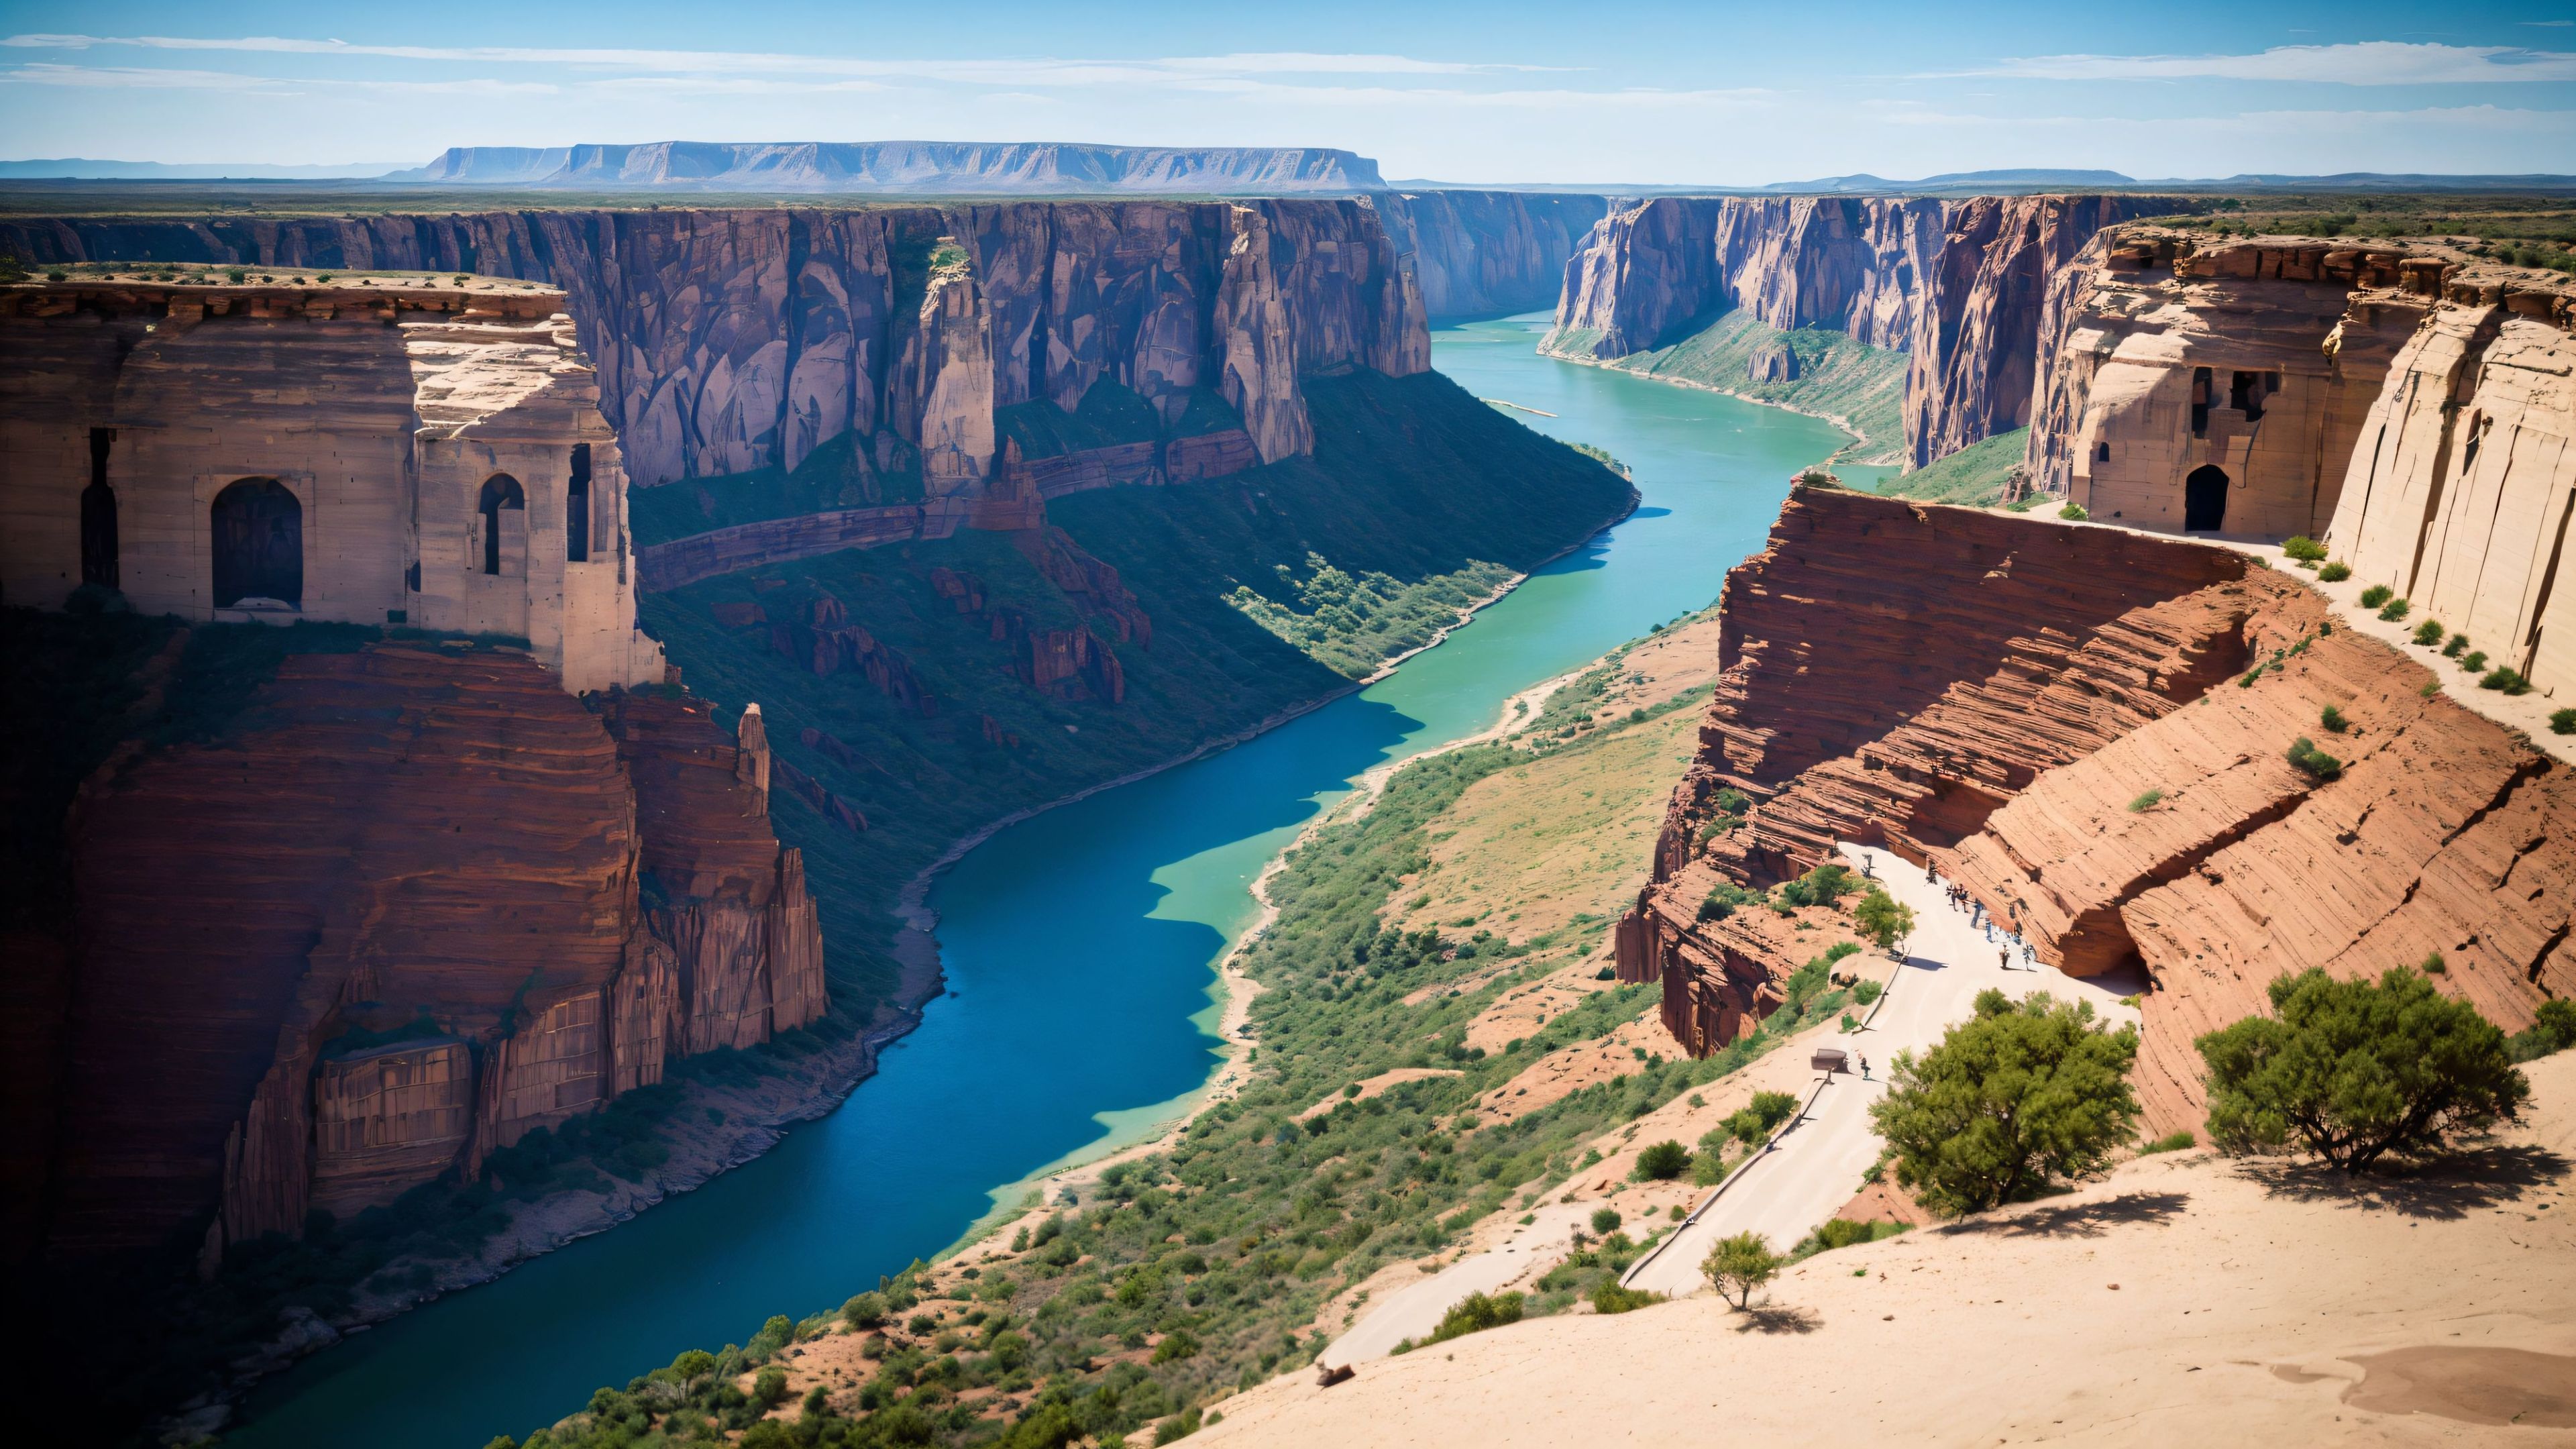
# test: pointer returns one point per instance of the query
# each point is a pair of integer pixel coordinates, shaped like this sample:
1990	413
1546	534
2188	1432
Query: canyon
2087	728
1959	287
946	168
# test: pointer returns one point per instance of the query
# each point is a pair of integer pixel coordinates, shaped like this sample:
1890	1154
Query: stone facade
425	456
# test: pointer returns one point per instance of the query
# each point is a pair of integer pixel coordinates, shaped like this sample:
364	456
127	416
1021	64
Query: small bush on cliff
2333	721
2312	762
2358	1072
2376	595
2335	573
2394	610
2458	643
1822	886
2305	549
1739	1265
2020	1097
1663	1162
2475	661
2562	721
2073	513
2146	802
1866	992
1753	1124
2429	633
2170	1142
1884	919
2508	680
1723	900
1611	1298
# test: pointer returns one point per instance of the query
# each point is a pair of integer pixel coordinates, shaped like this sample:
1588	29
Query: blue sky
1494	92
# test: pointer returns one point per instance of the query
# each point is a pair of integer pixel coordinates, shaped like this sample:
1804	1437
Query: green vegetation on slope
1864	386
1229	1242
1974	476
833	476
1412	479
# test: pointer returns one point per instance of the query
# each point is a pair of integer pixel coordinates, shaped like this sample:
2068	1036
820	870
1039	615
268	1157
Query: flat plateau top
273	291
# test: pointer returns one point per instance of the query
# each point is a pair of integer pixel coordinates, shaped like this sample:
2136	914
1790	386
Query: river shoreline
1894	454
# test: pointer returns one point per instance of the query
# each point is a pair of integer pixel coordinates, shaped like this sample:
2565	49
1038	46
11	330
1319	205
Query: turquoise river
1080	950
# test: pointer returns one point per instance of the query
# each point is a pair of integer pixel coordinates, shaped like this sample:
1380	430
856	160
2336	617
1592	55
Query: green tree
769	1387
866	1310
1741	1264
1883	918
1474	1314
1604	1219
2356	1071
2012	1100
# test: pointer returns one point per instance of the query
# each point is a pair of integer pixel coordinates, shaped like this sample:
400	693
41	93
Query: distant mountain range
1047	168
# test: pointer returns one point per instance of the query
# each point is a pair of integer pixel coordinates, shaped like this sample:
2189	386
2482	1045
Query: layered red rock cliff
1959	285
421	902
1991	695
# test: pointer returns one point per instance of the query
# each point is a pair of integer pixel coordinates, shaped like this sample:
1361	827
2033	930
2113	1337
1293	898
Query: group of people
1961	900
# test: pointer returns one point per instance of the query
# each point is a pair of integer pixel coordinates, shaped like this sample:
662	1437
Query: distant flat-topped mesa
916	168
408	453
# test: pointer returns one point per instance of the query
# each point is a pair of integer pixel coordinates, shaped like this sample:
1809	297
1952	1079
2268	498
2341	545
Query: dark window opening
2200	385
577	507
2245	394
98	516
259	544
2102	453
504	510
2204	499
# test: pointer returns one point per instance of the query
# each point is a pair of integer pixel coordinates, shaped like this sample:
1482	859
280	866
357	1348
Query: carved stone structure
431	456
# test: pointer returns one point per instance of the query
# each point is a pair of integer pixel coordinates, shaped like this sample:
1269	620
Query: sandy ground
2186	1299
1816	1163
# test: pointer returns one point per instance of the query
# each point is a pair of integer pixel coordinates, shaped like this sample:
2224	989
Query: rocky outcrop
457	905
2089	728
730	340
1960	285
1480	252
937	168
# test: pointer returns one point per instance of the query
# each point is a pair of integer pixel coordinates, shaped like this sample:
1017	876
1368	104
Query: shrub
1609	1297
2170	1142
2333	720
238	276
1866	992
2458	643
1663	1161
2429	633
2394	610
1822	886
2474	661
2315	763
2562	721
866	1310
2356	1071
1176	1345
2303	548
769	1387
1739	1265
2435	966
1474	1314
1708	1169
1883	918
1723	900
2146	802
2016	1098
2073	513
2376	595
1752	1124
2335	573
2553	1029
2508	680
1604	1219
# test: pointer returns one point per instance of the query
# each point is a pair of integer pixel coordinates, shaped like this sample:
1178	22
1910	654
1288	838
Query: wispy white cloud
971	71
2362	63
102	77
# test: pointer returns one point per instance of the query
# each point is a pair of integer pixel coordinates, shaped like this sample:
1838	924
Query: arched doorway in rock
259	543
2204	499
504	510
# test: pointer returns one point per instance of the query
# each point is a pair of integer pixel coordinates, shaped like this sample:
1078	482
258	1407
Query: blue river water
1080	947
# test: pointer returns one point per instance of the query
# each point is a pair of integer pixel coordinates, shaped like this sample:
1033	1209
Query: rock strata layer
458	904
2089	728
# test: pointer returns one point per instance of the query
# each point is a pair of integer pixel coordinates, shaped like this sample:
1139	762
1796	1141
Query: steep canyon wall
1993	696
1960	286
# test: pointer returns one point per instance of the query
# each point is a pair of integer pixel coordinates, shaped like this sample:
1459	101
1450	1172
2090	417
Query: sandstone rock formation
733	340
1959	285
1487	251
1998	697
456	905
